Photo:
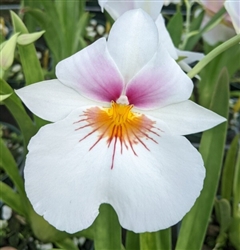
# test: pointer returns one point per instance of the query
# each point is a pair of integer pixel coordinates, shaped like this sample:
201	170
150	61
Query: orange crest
118	124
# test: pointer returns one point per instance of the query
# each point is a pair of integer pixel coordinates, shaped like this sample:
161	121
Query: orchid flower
153	8
222	31
233	9
119	109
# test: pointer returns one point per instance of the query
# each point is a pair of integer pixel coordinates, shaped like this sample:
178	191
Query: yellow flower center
118	124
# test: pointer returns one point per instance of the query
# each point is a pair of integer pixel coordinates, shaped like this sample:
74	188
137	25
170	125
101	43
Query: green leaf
236	188
66	244
3	97
31	66
235	93
223	214
234	233
160	240
209	74
7	52
9	165
175	27
87	233
63	32
132	241
11	198
107	229
229	169
215	19
195	223
26	39
196	22
16	108
214	53
42	229
53	34
79	33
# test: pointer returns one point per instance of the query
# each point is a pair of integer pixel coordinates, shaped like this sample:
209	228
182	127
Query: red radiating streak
128	132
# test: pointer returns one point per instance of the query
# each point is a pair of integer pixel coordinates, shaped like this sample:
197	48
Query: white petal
64	180
132	47
153	8
51	100
92	72
233	9
164	37
186	118
161	82
154	190
186	68
190	56
220	33
117	8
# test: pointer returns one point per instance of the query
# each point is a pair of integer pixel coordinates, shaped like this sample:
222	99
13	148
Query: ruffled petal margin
154	190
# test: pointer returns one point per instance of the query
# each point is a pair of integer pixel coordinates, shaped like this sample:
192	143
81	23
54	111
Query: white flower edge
66	182
233	9
186	117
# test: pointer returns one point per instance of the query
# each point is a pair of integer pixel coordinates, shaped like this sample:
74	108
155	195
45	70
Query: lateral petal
51	100
161	82
92	72
186	117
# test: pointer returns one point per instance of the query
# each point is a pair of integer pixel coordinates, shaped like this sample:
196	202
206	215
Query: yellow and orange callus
118	124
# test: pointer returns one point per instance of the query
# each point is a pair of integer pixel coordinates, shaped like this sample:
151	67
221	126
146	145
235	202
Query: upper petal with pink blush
161	82
92	72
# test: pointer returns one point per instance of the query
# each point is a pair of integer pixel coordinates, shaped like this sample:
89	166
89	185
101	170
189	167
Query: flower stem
188	22
210	56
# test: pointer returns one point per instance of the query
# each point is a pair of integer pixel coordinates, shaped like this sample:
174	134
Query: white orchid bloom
233	9
117	8
222	31
153	8
119	109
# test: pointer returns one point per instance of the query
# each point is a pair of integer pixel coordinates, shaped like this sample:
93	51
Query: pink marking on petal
145	93
92	72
